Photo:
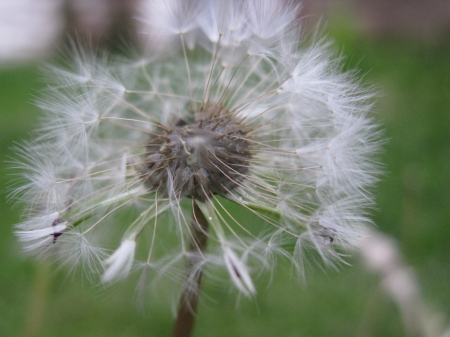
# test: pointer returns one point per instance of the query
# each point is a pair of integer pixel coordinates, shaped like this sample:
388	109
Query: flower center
208	156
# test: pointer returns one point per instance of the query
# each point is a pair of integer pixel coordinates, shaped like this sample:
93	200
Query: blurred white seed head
238	114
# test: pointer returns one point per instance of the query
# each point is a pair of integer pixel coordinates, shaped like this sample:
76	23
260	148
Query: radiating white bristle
306	174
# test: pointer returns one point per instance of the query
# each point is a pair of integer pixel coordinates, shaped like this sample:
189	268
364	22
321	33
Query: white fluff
238	272
313	141
120	262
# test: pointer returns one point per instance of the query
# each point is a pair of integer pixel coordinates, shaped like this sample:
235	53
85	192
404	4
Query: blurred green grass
413	202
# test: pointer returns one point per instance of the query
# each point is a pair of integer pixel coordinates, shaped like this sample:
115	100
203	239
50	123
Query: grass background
413	207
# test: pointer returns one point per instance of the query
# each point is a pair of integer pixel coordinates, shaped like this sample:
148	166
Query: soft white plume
238	111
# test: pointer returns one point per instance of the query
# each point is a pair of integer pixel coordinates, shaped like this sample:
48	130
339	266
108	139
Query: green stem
210	215
37	301
262	209
187	310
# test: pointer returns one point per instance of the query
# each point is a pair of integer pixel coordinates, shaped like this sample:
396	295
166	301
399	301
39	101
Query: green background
413	206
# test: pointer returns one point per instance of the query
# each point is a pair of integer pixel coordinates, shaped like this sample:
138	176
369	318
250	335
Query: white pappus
237	115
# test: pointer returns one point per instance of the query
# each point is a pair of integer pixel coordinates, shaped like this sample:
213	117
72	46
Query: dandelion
237	144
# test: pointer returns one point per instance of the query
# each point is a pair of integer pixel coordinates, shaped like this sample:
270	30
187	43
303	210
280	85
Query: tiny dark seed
180	122
56	236
236	271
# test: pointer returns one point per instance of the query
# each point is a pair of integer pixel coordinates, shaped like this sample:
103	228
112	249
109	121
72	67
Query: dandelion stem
187	309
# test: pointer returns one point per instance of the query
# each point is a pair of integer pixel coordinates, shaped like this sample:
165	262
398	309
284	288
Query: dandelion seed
241	115
238	272
119	263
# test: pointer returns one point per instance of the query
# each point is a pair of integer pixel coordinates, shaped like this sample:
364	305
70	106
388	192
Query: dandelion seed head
238	115
209	155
